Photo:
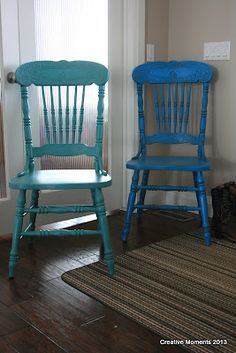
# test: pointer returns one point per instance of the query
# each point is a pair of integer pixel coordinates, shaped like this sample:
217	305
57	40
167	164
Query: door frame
134	54
12	124
127	17
125	54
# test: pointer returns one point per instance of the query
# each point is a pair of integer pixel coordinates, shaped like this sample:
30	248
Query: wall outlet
217	51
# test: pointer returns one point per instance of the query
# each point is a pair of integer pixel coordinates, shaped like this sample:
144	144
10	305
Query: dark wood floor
39	313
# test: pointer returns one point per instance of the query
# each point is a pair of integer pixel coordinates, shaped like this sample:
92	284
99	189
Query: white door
18	46
12	126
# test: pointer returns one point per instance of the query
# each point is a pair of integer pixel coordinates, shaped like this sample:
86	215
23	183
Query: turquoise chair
62	90
175	90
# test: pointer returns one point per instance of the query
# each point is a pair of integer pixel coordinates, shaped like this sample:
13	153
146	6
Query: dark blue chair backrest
173	94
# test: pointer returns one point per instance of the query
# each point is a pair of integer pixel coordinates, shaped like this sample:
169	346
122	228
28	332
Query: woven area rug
178	288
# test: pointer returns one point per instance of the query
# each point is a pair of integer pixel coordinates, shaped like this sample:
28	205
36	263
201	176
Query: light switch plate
150	52
217	51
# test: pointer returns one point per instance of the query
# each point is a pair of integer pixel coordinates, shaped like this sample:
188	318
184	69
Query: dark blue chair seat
168	163
172	110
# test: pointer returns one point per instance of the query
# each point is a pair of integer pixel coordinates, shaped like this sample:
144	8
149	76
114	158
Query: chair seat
61	180
169	163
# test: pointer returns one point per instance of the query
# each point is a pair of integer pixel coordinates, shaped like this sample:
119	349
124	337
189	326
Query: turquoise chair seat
172	104
64	179
69	94
168	163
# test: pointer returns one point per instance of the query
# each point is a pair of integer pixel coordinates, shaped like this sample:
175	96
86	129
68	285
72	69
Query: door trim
134	54
132	48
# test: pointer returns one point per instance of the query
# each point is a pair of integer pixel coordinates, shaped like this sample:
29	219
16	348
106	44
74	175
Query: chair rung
61	209
168	207
167	188
60	233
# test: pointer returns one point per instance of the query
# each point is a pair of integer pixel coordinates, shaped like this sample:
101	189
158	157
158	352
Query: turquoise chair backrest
172	85
63	86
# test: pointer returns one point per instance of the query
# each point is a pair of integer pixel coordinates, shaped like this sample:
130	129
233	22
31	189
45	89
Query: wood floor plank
67	314
119	332
122	334
11	292
42	314
5	347
10	322
30	340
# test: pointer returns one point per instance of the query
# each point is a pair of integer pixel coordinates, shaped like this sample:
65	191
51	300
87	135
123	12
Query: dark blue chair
179	93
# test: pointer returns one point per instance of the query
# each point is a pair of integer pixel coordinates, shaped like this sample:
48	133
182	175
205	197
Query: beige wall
179	28
191	23
157	13
156	32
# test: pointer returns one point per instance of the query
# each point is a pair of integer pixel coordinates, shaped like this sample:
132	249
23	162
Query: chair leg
142	192
33	203
17	232
130	205
204	208
196	185
94	200
102	219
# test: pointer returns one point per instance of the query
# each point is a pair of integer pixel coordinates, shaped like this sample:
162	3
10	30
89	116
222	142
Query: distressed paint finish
63	124
172	84
50	73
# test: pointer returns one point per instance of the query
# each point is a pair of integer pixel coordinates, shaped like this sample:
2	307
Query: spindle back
63	87
175	85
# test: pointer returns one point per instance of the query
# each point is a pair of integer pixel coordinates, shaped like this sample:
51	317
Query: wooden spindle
74	117
141	118
53	116
169	108
60	119
157	110
27	130
186	115
205	88
163	110
100	109
181	109
175	107
67	115
45	115
81	116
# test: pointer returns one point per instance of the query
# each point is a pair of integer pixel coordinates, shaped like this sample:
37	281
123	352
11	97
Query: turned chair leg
17	232
94	200
142	193
197	196
196	185
33	203
204	208
130	205
103	224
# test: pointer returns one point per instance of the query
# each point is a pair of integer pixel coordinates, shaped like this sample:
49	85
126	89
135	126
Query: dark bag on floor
224	211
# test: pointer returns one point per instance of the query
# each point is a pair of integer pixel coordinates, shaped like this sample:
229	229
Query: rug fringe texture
177	288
